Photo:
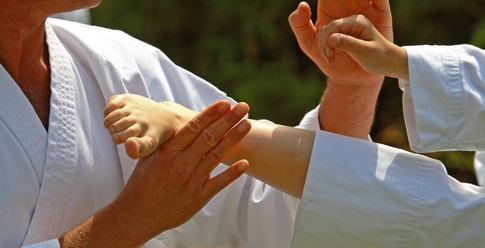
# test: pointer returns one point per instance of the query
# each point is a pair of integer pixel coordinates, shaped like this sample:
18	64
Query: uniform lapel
62	150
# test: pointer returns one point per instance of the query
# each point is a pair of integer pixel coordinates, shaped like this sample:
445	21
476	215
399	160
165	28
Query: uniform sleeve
479	165
443	101
362	194
310	120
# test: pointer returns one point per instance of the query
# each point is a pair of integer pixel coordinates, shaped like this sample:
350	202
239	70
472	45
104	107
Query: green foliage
247	49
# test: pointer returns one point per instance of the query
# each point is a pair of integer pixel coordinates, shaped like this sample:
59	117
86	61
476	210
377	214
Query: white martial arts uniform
50	182
357	194
370	195
449	92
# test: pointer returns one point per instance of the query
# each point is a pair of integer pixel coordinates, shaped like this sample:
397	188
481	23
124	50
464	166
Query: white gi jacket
50	182
448	88
370	195
357	194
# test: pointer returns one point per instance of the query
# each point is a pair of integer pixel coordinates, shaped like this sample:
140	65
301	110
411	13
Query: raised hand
344	68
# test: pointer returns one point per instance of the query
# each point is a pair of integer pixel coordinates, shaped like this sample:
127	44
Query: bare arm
356	37
279	155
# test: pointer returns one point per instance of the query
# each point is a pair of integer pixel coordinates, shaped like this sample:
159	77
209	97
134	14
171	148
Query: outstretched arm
348	104
279	155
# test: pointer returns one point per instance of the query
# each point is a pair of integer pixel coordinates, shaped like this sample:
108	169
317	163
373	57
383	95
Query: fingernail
335	40
240	109
223	107
242	126
243	166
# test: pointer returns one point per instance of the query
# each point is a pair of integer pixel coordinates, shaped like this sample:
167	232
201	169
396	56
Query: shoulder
104	43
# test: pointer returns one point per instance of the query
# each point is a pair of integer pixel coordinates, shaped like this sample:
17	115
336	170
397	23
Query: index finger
190	131
214	133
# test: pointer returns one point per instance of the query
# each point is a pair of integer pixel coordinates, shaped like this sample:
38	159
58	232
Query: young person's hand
358	38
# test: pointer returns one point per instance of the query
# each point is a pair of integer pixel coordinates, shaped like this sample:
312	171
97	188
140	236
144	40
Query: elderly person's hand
171	185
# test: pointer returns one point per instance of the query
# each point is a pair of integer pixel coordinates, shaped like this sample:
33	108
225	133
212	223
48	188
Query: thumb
349	44
302	26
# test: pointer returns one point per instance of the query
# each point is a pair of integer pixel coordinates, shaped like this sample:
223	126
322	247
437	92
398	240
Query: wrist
349	108
403	72
398	66
356	90
175	117
107	228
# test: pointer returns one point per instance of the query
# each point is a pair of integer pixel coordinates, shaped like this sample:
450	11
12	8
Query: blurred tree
247	49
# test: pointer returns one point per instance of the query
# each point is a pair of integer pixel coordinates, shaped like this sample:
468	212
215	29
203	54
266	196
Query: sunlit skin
25	25
141	123
358	38
151	201
348	104
24	54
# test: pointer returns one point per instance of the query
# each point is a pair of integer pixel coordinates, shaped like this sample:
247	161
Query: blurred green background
248	50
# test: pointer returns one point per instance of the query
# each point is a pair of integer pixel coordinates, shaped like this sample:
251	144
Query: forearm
349	109
277	155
